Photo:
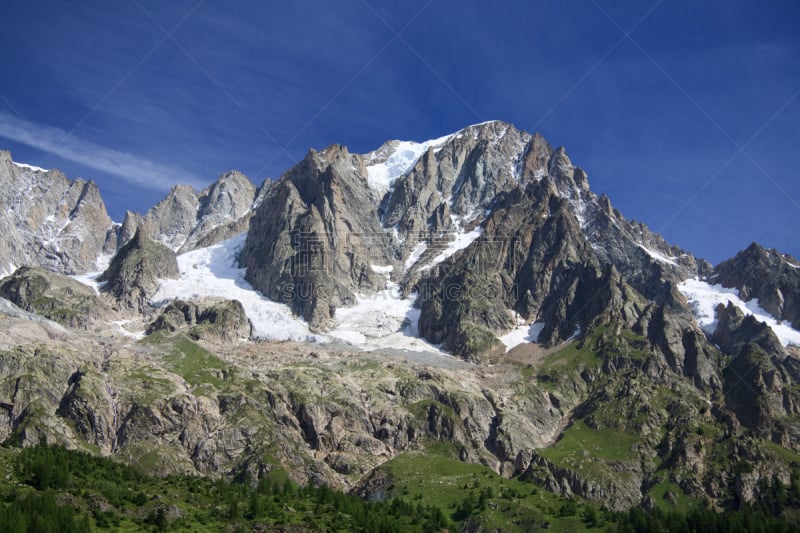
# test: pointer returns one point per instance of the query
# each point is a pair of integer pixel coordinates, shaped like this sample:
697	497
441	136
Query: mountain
185	219
517	207
367	317
50	221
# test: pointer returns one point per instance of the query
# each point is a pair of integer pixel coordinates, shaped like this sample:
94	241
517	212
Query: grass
574	356
784	453
509	504
682	502
581	440
195	364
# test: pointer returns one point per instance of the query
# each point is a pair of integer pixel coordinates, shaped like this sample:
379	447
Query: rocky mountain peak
133	275
768	275
186	219
65	229
311	243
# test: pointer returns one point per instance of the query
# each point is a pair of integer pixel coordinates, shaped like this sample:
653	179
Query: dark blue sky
690	123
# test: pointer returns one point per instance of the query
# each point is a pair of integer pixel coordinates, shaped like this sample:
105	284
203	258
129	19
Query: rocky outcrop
50	221
314	240
768	275
185	219
133	275
59	298
205	319
735	331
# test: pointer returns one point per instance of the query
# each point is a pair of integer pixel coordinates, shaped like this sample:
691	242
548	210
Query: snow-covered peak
704	298
395	158
29	167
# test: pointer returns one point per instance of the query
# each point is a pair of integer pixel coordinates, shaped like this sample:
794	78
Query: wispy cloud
133	169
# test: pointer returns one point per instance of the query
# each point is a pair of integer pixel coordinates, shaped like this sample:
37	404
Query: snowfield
212	272
381	176
704	298
382	320
521	334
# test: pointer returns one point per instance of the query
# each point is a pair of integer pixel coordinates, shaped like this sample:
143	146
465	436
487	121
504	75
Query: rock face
315	238
185	220
59	298
132	277
224	320
768	275
64	230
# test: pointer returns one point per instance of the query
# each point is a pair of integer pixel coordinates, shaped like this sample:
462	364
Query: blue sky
686	114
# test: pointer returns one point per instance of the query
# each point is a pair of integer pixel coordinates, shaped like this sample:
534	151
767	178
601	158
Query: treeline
745	520
67	491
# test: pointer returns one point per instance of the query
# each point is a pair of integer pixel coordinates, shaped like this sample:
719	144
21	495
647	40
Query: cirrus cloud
131	168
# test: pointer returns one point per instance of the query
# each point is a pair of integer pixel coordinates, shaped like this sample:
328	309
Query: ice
404	156
521	334
419	249
90	278
382	320
459	242
29	167
704	298
659	256
212	272
381	269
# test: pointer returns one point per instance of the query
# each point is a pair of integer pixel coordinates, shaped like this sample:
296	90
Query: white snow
459	242
382	269
405	155
704	298
90	278
7	271
212	272
659	256
134	335
521	334
30	167
419	249
381	320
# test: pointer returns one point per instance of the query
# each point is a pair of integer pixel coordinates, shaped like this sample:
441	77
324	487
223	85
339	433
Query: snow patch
381	320
521	334
90	278
704	299
459	242
29	167
382	269
659	256
402	159
419	249
212	272
138	335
